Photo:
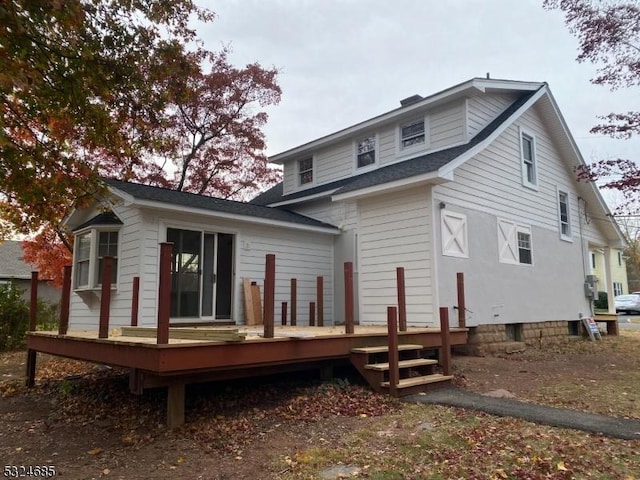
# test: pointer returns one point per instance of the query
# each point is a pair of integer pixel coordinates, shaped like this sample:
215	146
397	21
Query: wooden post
283	317
33	321
392	332
135	301
164	293
312	314
269	295
445	356
105	297
63	325
294	302
461	306
348	297
175	405
402	301
320	300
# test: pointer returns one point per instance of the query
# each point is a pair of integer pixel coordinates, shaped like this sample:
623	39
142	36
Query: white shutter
454	234
507	242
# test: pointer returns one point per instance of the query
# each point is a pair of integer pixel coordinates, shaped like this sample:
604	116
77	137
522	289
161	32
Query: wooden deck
290	345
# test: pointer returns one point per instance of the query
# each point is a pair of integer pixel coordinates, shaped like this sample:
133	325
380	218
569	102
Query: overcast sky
345	61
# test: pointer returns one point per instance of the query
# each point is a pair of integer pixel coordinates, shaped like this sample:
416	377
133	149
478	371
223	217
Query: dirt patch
82	419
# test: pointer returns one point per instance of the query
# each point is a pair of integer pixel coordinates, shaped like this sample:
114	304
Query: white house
476	179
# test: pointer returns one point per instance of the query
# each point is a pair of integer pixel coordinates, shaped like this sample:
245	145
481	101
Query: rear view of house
477	179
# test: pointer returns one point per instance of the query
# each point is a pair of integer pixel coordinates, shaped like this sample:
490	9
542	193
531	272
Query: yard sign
592	328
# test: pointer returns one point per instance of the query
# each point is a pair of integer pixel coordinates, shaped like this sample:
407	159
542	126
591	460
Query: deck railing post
402	302
445	356
135	301
65	299
164	293
312	314
105	297
269	294
320	300
283	315
294	302
33	321
392	332
348	297
461	302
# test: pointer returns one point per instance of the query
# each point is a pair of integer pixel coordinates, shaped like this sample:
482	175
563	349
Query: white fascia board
326	193
479	84
448	169
426	178
230	216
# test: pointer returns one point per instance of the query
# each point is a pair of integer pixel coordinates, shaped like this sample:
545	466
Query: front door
201	275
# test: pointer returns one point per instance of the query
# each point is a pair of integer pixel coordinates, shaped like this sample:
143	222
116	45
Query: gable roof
105	218
146	195
424	164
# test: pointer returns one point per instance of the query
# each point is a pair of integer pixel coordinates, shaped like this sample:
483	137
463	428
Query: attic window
366	151
412	134
305	171
529	162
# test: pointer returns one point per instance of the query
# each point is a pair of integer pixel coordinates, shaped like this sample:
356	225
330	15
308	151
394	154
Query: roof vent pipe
405	102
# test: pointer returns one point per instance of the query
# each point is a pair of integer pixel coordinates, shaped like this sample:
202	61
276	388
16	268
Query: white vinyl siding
453	228
483	108
301	255
395	231
447	126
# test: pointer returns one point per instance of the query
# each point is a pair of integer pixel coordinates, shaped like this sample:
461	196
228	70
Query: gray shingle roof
11	263
192	200
105	218
401	170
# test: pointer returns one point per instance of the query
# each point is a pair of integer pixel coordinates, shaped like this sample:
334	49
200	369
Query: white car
627	303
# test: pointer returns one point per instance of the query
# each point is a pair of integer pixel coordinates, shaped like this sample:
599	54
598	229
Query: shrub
602	302
14	317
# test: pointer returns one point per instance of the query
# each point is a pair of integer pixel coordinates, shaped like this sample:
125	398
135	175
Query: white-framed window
413	135
366	151
617	289
593	261
453	228
528	160
514	243
90	248
564	215
619	258
305	171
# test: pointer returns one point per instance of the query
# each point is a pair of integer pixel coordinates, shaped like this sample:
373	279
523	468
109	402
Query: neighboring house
15	271
616	276
475	179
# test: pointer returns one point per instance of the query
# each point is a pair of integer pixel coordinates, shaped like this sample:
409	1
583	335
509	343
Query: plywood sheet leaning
189	333
249	317
257	303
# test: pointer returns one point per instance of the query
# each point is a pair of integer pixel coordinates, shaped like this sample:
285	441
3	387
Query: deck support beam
164	293
105	297
402	302
175	405
135	301
65	300
294	302
33	321
348	298
392	332
461	301
320	300
269	295
445	353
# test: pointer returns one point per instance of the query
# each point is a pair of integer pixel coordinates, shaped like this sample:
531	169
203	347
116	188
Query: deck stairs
416	374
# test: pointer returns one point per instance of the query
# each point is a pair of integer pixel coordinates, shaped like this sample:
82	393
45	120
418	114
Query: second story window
366	151
412	134
564	215
529	164
305	171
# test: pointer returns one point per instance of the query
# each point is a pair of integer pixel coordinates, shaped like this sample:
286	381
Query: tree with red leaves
92	88
609	36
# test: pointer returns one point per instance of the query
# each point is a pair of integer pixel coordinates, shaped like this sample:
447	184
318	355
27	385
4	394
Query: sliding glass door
202	274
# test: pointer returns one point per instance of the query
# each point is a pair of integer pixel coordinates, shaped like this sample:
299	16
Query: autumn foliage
92	88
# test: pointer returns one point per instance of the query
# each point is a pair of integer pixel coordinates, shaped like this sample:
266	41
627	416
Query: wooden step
384	349
415	381
415	362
